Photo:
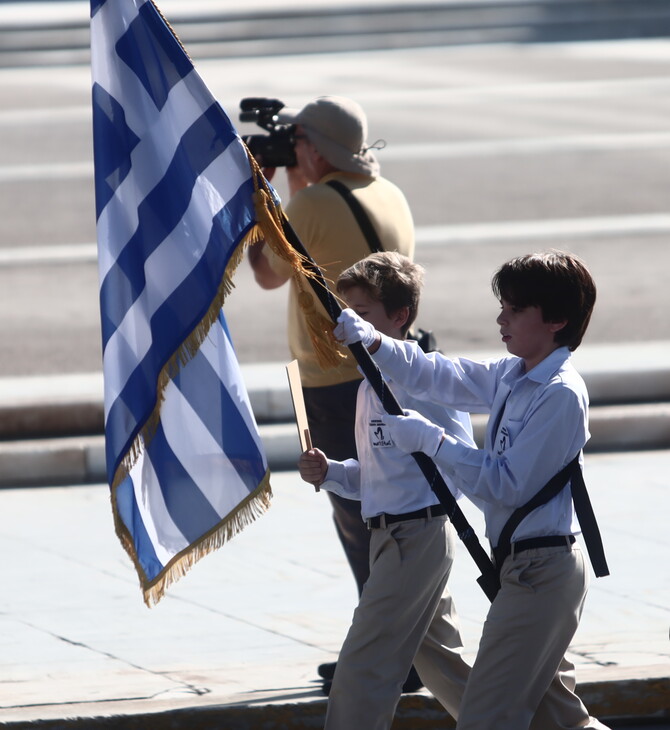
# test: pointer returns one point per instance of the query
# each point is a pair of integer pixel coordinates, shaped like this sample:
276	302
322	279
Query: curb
51	427
612	701
81	459
53	462
72	404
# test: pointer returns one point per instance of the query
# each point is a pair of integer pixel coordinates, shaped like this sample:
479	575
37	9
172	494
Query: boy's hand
412	432
351	328
313	466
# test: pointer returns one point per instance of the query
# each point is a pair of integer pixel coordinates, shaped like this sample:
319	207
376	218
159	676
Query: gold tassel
320	331
319	327
273	234
269	219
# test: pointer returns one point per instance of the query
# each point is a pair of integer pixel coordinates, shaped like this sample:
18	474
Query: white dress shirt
538	423
384	478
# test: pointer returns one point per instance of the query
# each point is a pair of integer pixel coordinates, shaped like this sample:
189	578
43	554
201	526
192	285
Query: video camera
276	149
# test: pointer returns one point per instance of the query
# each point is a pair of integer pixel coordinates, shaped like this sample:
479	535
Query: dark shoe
413	683
326	671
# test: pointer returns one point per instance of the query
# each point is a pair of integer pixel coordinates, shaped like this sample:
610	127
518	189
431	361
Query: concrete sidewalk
235	644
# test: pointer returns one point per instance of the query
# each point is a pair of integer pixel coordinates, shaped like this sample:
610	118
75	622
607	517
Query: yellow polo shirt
328	230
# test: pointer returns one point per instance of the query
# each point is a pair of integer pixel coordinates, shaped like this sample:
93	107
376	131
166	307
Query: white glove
412	432
351	328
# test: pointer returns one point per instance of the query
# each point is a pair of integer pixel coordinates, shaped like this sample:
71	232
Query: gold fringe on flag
246	512
268	228
254	505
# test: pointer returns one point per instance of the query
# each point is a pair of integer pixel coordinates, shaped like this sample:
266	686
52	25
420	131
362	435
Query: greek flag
174	192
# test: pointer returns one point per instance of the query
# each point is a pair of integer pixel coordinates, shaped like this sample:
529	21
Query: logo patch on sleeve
379	436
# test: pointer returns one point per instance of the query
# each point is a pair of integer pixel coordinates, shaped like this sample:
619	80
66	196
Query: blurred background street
500	149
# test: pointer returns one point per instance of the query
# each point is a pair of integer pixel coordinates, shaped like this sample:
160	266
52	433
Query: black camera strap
359	214
425	338
583	508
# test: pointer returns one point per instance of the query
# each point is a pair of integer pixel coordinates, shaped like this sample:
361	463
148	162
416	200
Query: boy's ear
400	317
557	326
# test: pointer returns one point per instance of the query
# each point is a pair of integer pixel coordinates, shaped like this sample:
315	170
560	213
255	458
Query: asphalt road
501	149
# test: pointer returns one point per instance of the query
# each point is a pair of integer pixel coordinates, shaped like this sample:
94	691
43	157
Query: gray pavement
240	636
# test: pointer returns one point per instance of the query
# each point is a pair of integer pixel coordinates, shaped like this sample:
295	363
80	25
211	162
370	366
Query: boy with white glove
538	424
403	615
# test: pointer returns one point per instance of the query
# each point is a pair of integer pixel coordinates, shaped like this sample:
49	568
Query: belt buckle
381	518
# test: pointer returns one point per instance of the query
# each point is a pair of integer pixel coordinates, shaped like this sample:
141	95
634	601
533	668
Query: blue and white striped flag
174	205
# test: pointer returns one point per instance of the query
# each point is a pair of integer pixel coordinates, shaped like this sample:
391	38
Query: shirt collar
543	371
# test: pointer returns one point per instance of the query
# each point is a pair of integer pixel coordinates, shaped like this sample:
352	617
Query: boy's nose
500	318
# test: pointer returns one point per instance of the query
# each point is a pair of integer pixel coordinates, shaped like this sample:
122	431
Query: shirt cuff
335	472
449	453
336	480
384	351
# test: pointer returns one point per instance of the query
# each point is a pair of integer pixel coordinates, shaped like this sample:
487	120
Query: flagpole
488	580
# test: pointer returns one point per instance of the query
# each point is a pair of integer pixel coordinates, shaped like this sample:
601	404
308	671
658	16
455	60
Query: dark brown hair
388	277
557	282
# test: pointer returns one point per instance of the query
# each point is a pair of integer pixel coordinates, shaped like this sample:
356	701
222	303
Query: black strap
583	508
587	521
359	213
426	340
548	491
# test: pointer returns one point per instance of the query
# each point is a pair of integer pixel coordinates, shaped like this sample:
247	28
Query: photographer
330	137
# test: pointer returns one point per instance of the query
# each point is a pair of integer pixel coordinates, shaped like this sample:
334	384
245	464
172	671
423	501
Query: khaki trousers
520	669
560	708
409	566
